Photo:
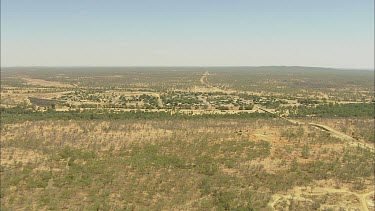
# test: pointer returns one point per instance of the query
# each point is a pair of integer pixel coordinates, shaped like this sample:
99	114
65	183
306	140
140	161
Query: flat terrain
184	138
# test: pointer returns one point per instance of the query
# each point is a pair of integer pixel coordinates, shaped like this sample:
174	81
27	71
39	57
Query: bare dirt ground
209	89
16	98
41	82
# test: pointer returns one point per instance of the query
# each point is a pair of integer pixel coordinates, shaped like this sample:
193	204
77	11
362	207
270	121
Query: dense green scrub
13	115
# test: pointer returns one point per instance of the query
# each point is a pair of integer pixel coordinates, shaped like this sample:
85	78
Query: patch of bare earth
41	82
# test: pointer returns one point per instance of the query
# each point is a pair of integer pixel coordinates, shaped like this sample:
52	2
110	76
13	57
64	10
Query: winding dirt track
204	80
350	140
298	191
160	102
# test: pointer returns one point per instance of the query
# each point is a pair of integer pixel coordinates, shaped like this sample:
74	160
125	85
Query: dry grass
174	165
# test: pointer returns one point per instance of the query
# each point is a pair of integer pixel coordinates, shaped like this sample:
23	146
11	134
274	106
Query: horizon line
194	66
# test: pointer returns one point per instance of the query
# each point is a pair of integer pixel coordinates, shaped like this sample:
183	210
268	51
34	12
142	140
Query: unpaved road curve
204	100
350	140
160	102
364	199
298	191
204	80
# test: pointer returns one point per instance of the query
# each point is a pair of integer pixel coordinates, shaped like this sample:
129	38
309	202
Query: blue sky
328	33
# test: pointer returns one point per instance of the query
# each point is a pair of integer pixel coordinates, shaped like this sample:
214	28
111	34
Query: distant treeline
18	114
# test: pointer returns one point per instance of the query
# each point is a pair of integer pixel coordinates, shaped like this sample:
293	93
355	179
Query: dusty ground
19	98
41	82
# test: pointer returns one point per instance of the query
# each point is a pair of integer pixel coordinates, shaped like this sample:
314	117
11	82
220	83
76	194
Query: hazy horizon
206	66
329	34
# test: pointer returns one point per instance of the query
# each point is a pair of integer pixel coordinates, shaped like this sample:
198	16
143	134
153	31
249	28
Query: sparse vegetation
138	139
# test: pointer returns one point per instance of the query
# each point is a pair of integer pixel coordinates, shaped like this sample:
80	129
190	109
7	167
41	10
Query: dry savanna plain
187	138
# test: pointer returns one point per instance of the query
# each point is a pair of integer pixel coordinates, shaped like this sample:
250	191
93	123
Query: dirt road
204	80
299	194
350	140
160	102
204	100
